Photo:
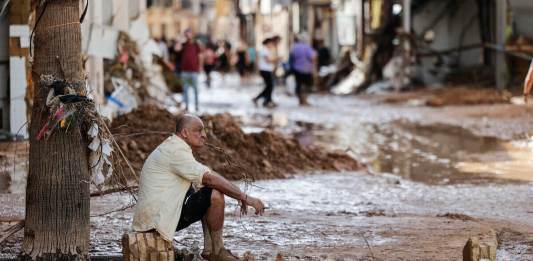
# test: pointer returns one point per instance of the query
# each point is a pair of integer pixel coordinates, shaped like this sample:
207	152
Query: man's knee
217	198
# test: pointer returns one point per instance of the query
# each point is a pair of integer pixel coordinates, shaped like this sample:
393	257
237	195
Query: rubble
263	155
136	76
452	96
457	216
230	152
141	131
468	96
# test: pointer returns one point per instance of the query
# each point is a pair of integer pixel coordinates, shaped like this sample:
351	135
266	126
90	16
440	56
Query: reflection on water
434	154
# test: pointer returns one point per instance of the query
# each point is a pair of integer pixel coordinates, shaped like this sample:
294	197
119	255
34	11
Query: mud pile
267	154
451	96
138	133
230	151
468	96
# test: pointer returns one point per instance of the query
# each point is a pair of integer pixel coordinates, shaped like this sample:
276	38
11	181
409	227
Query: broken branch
111	191
11	231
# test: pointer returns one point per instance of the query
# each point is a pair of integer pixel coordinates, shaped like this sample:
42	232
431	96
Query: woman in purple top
303	64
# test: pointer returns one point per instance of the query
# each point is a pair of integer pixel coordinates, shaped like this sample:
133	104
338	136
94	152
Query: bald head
191	129
186	121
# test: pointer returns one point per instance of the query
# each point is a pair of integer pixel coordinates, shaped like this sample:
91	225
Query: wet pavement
456	144
435	177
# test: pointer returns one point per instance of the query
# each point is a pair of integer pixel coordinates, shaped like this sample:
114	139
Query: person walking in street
190	64
250	65
267	61
176	191
241	59
303	63
210	58
223	64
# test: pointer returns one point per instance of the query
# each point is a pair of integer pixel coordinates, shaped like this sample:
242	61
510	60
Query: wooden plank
502	76
163	256
141	237
156	249
150	246
135	248
146	246
125	247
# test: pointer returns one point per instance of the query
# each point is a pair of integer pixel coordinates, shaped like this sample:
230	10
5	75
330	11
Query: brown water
431	154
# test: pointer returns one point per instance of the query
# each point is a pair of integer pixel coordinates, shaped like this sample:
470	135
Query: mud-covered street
433	177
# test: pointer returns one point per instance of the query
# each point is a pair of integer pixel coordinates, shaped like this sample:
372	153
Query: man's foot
224	255
206	254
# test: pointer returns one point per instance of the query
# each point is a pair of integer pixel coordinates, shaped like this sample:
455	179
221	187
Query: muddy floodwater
333	214
432	154
434	178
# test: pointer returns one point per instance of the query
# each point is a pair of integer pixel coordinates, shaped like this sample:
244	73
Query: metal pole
501	63
407	16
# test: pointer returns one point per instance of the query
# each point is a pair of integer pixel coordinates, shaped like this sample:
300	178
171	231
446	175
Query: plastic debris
101	151
93	131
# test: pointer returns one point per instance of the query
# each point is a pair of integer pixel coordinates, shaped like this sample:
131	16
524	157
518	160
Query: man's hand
244	208
256	203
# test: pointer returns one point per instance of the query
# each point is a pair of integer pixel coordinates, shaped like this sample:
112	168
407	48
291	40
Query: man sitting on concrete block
175	191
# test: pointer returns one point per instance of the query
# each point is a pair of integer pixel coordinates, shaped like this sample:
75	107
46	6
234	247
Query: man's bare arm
213	180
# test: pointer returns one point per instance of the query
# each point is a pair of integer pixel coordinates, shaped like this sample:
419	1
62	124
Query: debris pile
267	154
452	96
230	152
138	133
468	96
136	75
126	66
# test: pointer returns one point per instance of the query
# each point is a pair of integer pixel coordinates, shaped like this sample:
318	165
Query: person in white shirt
175	191
267	62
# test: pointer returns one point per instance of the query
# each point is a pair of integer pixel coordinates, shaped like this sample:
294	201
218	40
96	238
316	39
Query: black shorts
305	79
194	206
208	68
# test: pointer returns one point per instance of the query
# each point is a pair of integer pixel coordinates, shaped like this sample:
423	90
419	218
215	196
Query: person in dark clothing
223	57
323	54
241	59
209	62
267	60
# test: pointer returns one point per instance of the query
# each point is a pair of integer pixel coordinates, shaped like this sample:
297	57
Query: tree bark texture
57	193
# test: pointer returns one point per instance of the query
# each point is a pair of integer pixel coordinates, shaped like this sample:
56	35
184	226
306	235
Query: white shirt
166	176
263	63
164	51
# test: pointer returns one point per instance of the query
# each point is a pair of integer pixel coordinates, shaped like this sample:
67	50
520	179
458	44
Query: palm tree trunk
57	193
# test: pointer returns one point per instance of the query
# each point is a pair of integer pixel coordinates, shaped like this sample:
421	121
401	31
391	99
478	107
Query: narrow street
334	130
414	193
